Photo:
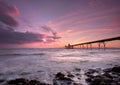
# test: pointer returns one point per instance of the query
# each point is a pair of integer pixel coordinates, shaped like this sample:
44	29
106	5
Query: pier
89	44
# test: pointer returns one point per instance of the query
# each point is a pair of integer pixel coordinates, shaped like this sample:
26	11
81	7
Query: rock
116	79
116	69
108	75
97	80
107	80
77	69
118	83
1	74
61	79
89	80
65	79
107	70
20	81
78	74
2	80
92	71
23	81
59	75
43	84
34	82
77	84
90	75
70	75
62	82
55	82
113	83
103	83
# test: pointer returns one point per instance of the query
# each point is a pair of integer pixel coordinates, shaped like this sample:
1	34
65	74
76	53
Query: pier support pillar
80	46
83	46
104	45
99	45
87	46
90	46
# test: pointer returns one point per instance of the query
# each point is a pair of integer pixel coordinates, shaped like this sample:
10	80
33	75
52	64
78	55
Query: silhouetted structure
69	46
103	41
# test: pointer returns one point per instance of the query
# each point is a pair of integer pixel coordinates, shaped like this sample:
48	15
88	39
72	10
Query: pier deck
91	42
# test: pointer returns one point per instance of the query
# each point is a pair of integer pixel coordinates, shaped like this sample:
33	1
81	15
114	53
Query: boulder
116	69
20	81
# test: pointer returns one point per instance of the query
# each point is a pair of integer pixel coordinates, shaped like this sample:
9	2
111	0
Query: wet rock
77	69
79	78
23	81
70	75
62	82
97	80
89	80
61	79
55	82
107	70
43	84
92	71
59	75
103	83
2	80
65	79
113	83
89	75
34	82
107	80
20	81
118	83
116	69
77	84
1	74
78	74
109	76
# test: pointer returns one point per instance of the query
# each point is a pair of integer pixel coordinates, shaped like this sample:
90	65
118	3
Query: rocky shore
98	76
109	76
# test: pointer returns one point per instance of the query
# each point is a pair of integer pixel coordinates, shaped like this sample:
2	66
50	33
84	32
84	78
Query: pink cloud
6	14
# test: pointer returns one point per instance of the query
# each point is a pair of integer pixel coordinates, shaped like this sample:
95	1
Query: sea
43	63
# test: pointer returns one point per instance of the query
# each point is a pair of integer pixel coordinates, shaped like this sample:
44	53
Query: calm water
43	64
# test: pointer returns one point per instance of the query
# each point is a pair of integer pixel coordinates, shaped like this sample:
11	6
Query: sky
55	23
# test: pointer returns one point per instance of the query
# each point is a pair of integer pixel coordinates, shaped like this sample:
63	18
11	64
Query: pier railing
89	44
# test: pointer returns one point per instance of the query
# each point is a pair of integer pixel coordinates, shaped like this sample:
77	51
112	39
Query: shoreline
98	76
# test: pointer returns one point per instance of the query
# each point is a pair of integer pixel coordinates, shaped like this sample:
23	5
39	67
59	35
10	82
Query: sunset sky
55	23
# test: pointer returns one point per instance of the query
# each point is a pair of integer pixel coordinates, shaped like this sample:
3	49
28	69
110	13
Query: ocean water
43	64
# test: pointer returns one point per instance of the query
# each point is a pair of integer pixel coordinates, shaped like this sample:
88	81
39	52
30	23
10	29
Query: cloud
49	29
9	36
6	14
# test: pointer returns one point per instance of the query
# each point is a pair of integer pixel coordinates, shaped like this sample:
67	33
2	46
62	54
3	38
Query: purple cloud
49	29
6	14
9	36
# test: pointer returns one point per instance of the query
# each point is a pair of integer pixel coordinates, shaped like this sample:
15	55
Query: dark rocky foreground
109	76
